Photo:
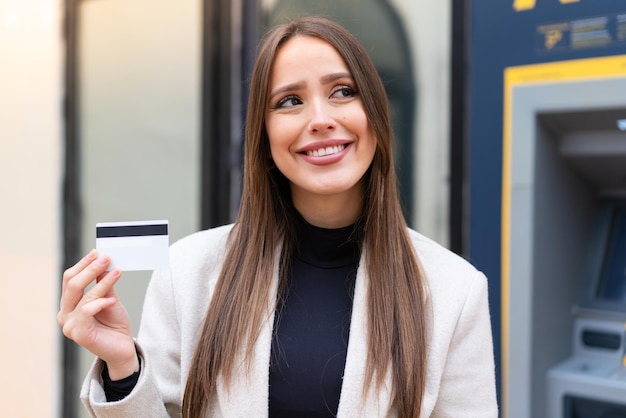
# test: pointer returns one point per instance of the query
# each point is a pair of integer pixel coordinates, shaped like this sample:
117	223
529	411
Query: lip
326	159
323	144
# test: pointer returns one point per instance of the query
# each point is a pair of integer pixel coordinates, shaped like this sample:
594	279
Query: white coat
460	376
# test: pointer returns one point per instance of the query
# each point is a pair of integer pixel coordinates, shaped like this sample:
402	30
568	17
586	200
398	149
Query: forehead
306	55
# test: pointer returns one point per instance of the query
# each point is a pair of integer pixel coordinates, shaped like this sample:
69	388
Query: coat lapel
249	392
352	403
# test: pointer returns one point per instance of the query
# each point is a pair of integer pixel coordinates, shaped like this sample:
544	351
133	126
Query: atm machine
592	382
564	281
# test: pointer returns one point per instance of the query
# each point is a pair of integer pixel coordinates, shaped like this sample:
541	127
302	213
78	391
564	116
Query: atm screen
612	283
576	407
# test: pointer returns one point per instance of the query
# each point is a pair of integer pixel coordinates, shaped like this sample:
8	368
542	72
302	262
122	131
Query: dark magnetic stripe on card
130	231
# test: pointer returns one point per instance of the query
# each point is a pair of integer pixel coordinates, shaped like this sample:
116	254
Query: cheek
366	133
283	134
357	120
279	148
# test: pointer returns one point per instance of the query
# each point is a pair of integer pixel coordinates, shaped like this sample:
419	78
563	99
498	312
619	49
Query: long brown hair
397	295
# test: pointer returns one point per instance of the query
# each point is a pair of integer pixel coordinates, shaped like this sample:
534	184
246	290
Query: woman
318	301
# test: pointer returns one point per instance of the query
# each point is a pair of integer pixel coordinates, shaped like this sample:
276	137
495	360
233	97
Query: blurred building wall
31	74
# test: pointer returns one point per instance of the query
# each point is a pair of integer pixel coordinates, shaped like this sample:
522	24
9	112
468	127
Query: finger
79	325
94	307
78	267
75	287
104	287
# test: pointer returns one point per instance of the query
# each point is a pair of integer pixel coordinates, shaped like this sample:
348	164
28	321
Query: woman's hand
96	319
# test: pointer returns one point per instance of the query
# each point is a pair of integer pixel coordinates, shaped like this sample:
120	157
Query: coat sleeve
468	381
158	393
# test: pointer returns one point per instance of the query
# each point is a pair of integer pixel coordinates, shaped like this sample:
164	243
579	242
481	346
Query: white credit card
142	245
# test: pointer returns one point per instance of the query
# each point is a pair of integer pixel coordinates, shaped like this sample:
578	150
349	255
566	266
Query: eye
343	92
288	101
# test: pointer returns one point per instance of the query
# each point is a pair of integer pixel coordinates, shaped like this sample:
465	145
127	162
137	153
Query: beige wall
30	191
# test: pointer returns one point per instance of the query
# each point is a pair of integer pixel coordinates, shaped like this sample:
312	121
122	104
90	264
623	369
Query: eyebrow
328	78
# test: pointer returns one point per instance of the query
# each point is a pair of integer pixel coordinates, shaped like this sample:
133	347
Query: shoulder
202	243
195	263
451	278
201	251
438	260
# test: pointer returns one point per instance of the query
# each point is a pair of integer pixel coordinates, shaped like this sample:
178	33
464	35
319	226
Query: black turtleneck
313	324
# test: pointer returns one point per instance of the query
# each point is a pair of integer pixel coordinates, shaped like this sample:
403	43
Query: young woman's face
319	135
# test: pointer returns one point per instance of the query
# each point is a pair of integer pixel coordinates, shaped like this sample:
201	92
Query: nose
321	119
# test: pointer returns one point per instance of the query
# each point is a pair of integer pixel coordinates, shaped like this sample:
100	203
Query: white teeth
325	151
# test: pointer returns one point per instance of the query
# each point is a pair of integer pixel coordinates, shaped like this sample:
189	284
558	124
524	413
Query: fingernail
103	260
91	254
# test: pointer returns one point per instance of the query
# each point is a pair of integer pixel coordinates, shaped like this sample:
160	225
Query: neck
330	211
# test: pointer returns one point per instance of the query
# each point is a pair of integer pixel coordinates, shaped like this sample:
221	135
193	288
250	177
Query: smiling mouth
321	152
